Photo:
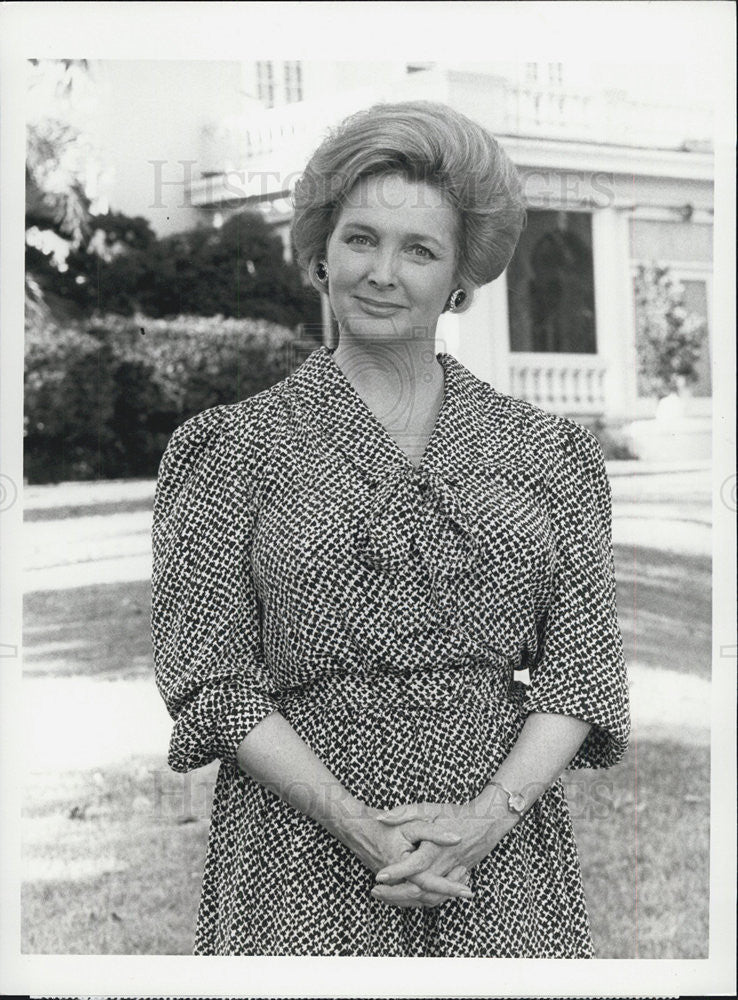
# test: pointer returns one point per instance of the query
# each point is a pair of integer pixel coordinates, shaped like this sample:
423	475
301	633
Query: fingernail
467	894
381	878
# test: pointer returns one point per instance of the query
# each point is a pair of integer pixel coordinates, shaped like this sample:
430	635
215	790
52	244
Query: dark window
292	82
550	285
265	83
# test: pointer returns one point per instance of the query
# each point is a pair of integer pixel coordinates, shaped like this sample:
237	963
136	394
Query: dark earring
321	271
456	300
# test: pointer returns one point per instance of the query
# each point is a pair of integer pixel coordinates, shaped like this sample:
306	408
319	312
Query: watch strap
515	801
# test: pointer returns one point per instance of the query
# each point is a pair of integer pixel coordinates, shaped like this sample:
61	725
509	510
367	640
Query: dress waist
392	736
413	688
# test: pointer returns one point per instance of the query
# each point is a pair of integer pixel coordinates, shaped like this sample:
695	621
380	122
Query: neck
403	368
403	383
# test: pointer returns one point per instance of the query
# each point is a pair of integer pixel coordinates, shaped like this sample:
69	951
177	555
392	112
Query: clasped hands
421	853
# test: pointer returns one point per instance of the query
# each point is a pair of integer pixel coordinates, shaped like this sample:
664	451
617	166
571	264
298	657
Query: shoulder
552	443
249	425
225	440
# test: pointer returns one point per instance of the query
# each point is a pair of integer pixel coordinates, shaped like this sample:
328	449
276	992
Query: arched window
550	284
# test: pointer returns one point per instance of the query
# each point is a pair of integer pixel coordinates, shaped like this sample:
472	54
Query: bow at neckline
412	513
415	510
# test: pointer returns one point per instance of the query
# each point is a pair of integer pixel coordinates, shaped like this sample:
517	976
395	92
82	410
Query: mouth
378	306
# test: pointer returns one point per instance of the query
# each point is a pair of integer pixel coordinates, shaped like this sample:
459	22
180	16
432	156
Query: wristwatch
515	801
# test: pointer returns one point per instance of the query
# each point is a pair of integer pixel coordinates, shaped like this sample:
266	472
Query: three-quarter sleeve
205	616
580	668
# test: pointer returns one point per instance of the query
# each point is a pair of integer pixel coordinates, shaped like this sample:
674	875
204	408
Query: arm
579	670
546	744
274	755
208	662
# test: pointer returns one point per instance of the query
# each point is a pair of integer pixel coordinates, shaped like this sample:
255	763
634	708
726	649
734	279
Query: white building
612	177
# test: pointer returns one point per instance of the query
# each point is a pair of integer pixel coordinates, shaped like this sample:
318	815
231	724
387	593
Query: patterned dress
303	564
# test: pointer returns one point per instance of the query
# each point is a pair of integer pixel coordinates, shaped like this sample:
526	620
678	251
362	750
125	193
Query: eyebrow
422	237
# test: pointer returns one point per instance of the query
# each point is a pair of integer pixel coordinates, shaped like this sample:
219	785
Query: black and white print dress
303	564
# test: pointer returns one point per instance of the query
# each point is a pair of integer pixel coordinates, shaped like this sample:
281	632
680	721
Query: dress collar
347	424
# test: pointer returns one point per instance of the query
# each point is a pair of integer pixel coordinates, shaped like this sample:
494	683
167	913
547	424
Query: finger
430	882
396	892
435	901
399	871
459	874
401	898
418	861
400	904
401	814
418	829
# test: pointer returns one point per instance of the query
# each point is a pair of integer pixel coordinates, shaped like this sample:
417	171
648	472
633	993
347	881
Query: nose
382	269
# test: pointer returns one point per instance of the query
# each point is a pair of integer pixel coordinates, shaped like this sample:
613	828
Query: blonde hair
424	142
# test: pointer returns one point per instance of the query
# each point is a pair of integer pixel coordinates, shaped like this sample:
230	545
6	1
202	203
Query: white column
480	337
498	336
448	334
628	353
326	318
614	309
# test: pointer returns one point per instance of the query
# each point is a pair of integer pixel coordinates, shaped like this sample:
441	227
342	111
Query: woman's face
392	259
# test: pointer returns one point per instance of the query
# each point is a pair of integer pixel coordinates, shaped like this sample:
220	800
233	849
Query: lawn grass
101	631
665	608
643	833
114	858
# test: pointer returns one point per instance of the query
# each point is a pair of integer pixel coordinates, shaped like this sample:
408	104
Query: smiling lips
378	307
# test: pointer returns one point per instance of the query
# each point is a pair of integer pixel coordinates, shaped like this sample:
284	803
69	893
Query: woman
350	566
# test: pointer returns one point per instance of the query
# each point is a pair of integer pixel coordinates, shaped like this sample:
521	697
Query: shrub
614	443
102	403
69	401
670	339
236	271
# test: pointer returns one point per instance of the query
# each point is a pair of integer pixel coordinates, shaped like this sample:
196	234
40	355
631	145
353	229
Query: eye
420	251
360	239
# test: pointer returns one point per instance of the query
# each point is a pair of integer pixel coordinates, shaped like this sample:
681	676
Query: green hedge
101	403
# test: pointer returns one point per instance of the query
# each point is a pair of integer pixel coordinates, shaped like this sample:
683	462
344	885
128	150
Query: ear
470	290
312	277
467	301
